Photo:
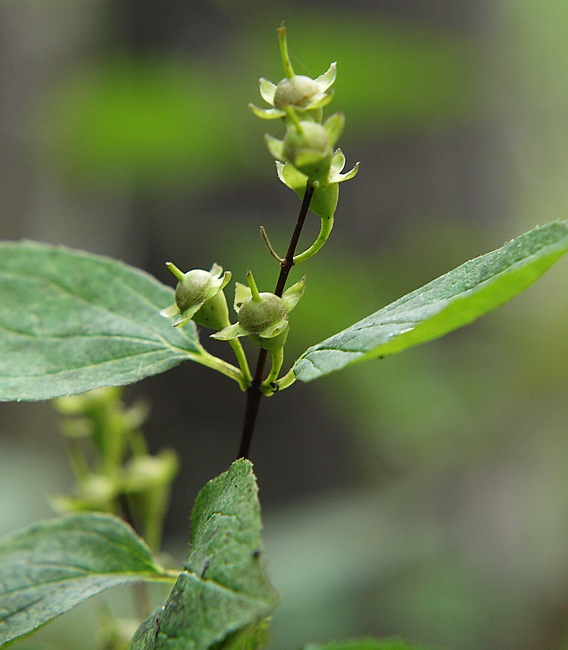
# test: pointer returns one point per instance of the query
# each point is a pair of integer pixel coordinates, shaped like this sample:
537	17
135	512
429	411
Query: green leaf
367	644
50	567
71	321
223	588
445	304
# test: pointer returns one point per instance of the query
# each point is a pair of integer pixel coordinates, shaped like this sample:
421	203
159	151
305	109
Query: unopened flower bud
192	289
199	297
265	320
256	315
263	317
297	91
308	148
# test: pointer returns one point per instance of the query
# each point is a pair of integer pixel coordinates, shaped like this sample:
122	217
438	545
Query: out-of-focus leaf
48	568
368	644
445	304
146	121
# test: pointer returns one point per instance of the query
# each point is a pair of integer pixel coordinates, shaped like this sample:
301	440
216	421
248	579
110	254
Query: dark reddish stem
254	394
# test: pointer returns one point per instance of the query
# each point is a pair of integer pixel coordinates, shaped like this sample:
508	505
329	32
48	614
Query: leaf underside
72	321
223	588
52	566
445	304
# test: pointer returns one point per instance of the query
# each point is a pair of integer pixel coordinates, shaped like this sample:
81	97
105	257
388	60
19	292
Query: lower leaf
223	589
52	566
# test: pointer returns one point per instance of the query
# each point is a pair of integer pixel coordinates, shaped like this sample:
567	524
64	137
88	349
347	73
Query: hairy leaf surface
223	588
50	567
71	321
445	304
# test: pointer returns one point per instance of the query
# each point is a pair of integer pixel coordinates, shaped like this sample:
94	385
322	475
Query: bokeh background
424	495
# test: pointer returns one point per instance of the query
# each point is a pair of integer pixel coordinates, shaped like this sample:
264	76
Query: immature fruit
297	91
263	317
309	150
214	312
199	297
192	290
256	315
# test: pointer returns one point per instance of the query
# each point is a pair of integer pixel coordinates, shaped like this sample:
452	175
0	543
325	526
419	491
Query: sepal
292	296
275	147
334	126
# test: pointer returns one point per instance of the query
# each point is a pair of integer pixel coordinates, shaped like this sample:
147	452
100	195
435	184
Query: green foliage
72	321
50	567
367	644
131	116
223	588
111	463
445	304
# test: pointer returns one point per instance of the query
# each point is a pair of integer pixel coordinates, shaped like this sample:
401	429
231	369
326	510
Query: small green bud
199	296
96	492
307	147
297	91
192	289
257	315
263	317
145	473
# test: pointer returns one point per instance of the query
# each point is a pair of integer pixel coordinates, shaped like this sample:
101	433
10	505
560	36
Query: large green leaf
71	321
367	644
223	588
50	567
445	304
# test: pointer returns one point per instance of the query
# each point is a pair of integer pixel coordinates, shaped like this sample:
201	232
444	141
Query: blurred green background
424	495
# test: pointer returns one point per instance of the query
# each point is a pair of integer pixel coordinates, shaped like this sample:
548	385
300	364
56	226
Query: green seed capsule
193	289
199	297
214	313
256	315
297	91
308	148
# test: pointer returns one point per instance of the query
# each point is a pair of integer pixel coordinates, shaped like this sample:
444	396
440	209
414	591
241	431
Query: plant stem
277	359
288	263
287	380
242	359
254	392
227	369
324	233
